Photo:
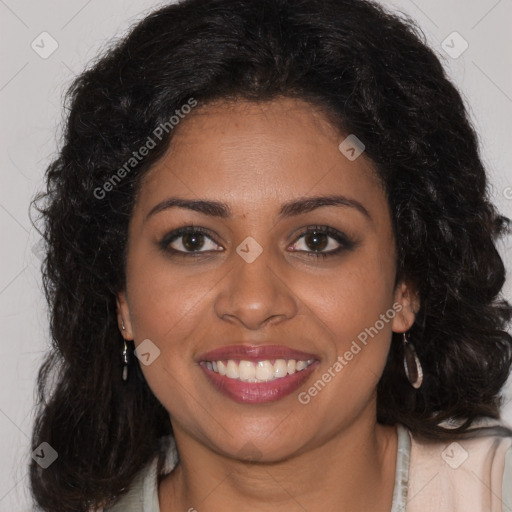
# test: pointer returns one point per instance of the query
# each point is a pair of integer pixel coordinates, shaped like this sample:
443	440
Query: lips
255	353
256	392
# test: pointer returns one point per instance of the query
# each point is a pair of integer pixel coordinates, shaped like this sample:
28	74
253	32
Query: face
268	274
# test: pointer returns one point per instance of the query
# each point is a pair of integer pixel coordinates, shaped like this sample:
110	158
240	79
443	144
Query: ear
123	316
407	306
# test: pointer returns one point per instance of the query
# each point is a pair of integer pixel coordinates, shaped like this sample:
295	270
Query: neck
355	468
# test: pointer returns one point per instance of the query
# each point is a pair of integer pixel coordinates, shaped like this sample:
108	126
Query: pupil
192	241
318	239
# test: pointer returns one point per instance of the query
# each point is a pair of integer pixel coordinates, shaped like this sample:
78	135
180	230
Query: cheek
354	306
168	308
164	297
352	297
348	307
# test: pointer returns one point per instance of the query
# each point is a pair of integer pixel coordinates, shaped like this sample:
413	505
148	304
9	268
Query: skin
313	457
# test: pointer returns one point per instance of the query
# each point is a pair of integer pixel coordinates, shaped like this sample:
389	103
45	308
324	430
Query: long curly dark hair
374	75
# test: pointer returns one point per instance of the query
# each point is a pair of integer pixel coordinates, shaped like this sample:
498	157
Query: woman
280	205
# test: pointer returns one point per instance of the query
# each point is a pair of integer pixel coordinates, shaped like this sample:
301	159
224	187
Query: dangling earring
125	361
412	364
125	355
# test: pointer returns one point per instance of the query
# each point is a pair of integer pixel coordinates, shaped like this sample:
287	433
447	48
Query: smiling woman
304	263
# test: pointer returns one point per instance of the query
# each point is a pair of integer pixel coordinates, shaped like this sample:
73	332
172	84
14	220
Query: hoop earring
125	361
412	364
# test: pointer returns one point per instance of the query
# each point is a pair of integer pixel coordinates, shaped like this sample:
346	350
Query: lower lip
258	392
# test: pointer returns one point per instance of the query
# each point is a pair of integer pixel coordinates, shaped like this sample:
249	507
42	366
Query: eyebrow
288	209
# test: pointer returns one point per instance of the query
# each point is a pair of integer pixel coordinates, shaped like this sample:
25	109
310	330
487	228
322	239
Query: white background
31	92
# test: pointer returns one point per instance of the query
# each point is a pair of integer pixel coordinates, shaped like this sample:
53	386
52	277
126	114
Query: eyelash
342	239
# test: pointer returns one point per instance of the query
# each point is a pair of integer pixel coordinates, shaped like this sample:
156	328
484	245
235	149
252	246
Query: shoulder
142	495
468	474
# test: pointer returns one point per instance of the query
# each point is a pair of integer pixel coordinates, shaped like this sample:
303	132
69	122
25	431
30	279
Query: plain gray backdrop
44	43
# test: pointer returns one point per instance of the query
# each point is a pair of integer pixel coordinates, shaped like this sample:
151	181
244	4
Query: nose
255	294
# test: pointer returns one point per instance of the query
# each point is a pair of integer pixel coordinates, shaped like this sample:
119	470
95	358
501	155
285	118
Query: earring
412	364
125	361
122	325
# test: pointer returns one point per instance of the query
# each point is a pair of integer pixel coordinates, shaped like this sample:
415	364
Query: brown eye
316	241
322	241
193	241
189	240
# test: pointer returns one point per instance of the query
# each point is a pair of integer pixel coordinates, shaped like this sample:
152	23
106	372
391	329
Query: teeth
232	370
300	365
246	371
280	368
262	371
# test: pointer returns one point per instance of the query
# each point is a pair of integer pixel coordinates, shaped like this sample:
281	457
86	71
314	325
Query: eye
189	240
316	241
322	241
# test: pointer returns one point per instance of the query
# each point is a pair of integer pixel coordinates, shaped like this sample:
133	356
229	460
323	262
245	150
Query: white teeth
280	368
262	371
232	370
246	371
300	365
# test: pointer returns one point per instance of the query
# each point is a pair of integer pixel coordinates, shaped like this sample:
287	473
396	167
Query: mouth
260	371
249	374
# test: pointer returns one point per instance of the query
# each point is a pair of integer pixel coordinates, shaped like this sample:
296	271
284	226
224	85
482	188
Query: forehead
247	154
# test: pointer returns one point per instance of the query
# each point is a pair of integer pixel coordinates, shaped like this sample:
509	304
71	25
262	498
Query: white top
471	475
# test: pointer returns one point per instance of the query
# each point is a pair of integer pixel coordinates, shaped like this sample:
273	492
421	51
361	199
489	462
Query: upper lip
255	353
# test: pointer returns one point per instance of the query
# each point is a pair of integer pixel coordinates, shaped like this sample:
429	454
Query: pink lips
254	353
257	392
